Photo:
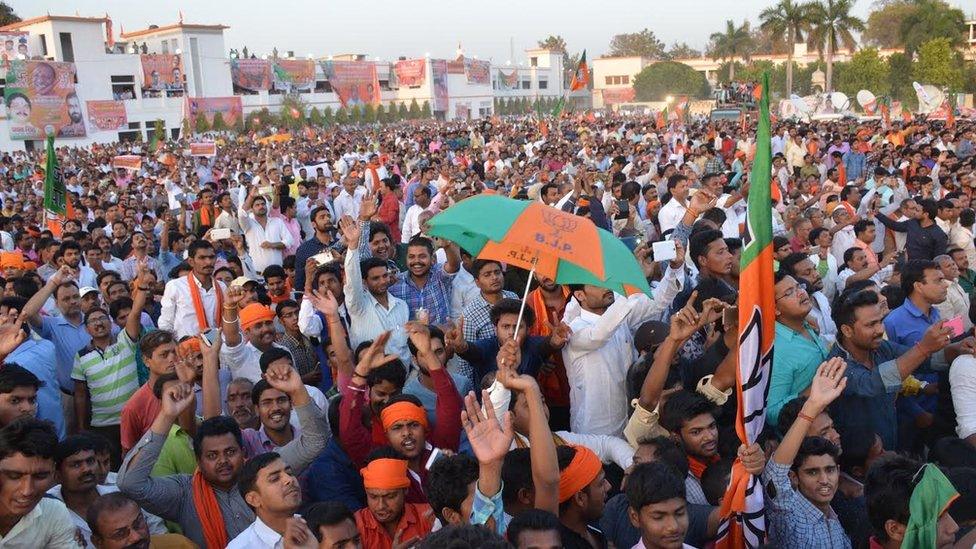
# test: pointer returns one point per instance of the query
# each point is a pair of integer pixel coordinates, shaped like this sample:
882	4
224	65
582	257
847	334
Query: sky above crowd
388	29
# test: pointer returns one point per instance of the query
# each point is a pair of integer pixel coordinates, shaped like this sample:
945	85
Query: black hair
780	241
788	264
914	271
509	306
963	509
273	354
252	467
196	245
674	180
862	225
715	480
215	427
967	217
847	305
14	375
420	240
715	215
71	445
857	442
394	372
682	406
106	274
25	287
788	414
888	488
447	483
481	264
29	436
653	482
929	207
112	501
326	513
259	388
532	520
157	388
370	263
435	333
814	446
333	267
153	340
699	242
666	450
953	452
516	474
464	536
815	234
274	271
119	305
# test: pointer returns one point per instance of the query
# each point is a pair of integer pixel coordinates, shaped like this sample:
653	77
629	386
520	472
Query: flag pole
525	297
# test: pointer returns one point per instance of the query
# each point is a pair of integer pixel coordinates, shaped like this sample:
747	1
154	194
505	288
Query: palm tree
832	24
788	20
734	42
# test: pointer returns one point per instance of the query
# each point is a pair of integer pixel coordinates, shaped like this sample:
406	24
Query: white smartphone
266	190
664	250
323	257
219	234
209	336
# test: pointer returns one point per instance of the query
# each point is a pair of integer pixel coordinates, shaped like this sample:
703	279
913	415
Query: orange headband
190	347
254	313
385	474
400	411
580	472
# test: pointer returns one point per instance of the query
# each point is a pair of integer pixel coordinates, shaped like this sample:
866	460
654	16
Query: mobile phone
664	250
209	336
266	190
624	207
323	257
956	324
435	455
220	234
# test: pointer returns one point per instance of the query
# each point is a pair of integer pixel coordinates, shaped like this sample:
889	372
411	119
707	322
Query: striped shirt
111	378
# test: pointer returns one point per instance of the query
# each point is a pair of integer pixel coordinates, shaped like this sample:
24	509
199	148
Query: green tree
185	129
940	65
832	25
786	21
553	42
201	125
426	110
328	117
403	113
7	15
341	116
883	27
355	114
159	130
734	42
369	113
682	51
218	124
899	84
929	20
728	70
414	112
865	71
659	80
315	117
637	44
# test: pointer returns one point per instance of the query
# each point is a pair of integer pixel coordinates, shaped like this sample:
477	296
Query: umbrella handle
525	297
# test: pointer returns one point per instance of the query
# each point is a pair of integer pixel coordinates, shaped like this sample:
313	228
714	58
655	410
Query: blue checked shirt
484	508
477	317
793	520
435	296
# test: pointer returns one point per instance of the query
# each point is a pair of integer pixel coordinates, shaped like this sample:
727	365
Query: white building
104	73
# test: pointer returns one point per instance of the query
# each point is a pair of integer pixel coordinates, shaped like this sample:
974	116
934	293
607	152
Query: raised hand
679	254
325	304
490	439
350	230
233	297
185	370
176	399
513	381
284	377
374	357
828	383
510	354
297	535
11	336
685	322
368	207
711	310
455	337
419	334
936	337
560	335
62	275
310	266
753	458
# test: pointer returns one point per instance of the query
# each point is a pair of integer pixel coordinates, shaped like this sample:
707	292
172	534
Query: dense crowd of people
266	348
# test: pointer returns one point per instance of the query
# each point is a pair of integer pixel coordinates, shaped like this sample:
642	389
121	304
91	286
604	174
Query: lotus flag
581	77
54	191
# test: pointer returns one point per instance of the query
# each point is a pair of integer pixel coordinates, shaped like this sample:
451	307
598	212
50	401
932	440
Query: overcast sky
389	28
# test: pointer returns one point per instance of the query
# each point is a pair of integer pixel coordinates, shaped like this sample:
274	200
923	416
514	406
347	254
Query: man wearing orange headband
582	494
387	517
256	322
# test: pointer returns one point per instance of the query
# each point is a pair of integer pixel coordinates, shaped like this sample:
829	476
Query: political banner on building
251	74
613	96
127	162
207	149
13	45
508	81
107	115
411	72
477	71
162	71
439	76
230	109
41	100
355	82
292	75
462	112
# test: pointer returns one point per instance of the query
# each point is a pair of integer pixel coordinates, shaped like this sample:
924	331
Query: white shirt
962	238
843	240
955	304
463	291
820	311
411	223
258	534
47	525
156	524
607	448
274	230
671	214
830	280
368	318
597	357
227	220
346	204
380	172
87	277
177	312
962	382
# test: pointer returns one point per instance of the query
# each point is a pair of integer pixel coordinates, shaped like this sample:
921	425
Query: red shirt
415	523
138	415
389	213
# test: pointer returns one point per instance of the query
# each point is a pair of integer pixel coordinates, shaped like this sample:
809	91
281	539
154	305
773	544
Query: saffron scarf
198	301
211	519
696	466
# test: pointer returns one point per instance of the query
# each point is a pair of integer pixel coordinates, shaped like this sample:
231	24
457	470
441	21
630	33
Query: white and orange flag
743	508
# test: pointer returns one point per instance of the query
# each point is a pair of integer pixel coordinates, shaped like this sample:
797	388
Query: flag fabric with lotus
743	508
581	78
54	191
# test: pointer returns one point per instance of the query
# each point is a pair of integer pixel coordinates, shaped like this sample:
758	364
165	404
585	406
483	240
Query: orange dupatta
198	301
554	384
211	519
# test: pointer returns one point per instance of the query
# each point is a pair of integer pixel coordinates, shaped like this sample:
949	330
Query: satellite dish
800	104
840	101
867	101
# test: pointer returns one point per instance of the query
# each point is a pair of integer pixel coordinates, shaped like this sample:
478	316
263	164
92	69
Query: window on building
385	85
123	86
67	49
626	79
165	46
609	80
43	45
543	84
534	61
526	84
323	86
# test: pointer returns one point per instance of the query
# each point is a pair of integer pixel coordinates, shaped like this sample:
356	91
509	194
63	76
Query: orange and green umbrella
567	248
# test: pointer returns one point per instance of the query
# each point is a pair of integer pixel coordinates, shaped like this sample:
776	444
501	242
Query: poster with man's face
162	71
41	100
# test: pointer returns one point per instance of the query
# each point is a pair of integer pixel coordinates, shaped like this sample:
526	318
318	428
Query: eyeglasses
792	291
96	319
